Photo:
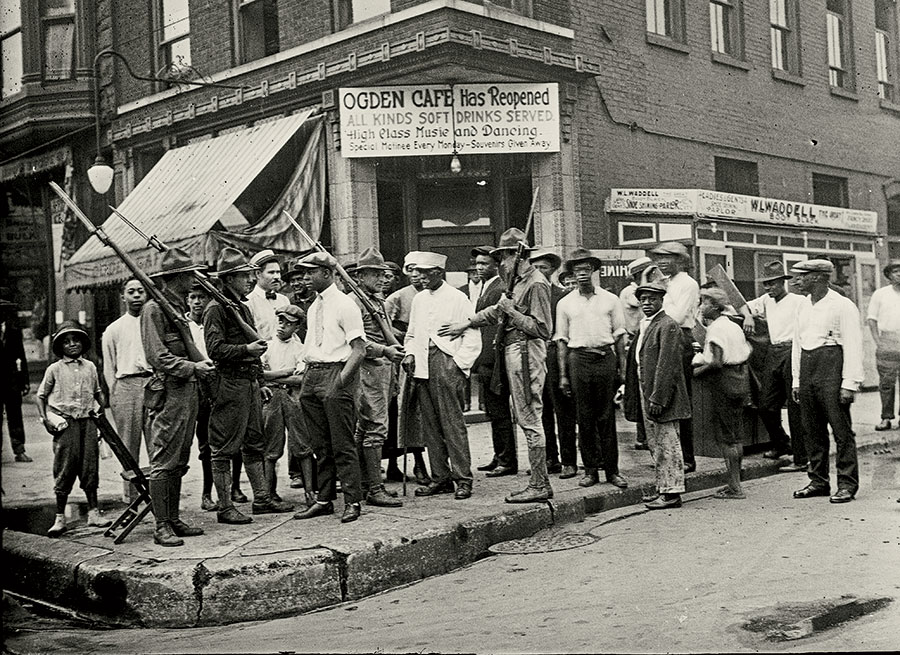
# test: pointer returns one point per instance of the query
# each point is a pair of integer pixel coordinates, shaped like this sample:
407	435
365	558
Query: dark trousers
558	411
594	382
235	420
204	406
888	365
820	407
503	436
686	425
12	405
775	390
76	454
330	418
170	430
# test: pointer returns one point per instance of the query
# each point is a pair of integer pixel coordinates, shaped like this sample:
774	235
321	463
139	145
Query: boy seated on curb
68	394
283	363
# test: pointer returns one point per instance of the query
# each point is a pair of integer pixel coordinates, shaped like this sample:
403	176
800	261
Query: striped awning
188	192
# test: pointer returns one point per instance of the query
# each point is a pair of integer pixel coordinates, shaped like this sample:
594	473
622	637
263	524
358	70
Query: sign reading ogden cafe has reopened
396	121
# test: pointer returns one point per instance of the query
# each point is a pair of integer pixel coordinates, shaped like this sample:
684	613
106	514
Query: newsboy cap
672	248
317	259
813	266
291	312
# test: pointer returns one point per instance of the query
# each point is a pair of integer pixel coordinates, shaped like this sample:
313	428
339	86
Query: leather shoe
501	471
640	445
463	491
662	503
568	471
617	481
271	506
22	457
488	467
296	483
811	490
842	496
233	517
792	468
351	513
237	496
318	509
554	467
421	475
182	529
881	427
649	498
589	480
690	468
434	488
773	454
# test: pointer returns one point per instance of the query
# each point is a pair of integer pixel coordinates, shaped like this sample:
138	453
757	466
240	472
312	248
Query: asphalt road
683	580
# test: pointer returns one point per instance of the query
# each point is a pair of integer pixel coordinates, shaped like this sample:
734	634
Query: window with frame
885	48
666	18
784	35
840	52
523	7
10	48
348	12
736	176
58	38
725	21
174	34
257	29
830	190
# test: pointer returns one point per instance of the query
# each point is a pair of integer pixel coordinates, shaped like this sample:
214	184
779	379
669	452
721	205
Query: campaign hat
510	240
671	248
580	255
69	327
895	263
545	253
431	260
231	260
651	287
293	313
176	260
638	265
813	266
317	259
371	258
263	257
774	271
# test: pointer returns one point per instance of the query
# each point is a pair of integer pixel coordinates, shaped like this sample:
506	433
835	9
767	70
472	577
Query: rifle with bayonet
214	292
497	374
379	317
153	291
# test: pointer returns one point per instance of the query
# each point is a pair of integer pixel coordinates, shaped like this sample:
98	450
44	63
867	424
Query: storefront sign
396	121
715	204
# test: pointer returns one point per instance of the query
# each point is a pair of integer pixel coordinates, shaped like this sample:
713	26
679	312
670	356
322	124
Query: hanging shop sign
397	121
715	204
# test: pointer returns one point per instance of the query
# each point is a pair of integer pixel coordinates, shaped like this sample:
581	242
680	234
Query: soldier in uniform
235	421
172	418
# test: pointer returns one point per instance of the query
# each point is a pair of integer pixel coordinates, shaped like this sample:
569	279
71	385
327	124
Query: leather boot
179	527
538	488
227	513
160	491
271	478
262	501
376	496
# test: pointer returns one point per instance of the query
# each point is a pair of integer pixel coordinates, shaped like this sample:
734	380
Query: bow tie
270	295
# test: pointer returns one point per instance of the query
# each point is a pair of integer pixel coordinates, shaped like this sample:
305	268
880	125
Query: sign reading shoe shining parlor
397	121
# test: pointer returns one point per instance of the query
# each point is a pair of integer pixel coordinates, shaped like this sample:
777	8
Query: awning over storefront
188	200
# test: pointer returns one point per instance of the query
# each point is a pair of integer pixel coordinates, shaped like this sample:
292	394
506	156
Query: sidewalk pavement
277	566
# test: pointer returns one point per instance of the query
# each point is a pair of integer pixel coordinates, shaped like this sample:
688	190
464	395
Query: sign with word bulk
397	121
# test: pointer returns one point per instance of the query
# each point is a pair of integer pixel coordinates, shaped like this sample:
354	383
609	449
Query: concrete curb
152	592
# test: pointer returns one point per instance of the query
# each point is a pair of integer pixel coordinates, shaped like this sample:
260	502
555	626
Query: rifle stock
155	292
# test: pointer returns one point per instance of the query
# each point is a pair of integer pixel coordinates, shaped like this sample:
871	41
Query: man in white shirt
883	318
779	308
681	302
125	369
827	370
265	300
440	366
590	327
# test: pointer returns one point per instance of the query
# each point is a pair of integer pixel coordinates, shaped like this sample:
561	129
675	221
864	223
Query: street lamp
100	174
455	164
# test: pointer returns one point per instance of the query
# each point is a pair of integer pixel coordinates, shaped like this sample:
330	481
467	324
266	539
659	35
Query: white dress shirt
263	311
833	321
431	310
284	354
333	321
634	315
726	334
123	349
884	308
197	335
475	291
780	315
643	324
589	321
682	299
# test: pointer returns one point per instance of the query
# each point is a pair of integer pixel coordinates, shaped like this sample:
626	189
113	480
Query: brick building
788	110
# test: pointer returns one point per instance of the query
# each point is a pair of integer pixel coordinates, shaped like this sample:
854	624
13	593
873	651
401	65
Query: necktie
270	295
319	327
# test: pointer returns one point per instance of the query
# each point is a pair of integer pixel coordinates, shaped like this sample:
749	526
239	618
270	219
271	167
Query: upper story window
10	47
58	38
348	12
785	35
886	48
523	7
840	52
737	176
830	190
257	29
174	34
725	27
666	18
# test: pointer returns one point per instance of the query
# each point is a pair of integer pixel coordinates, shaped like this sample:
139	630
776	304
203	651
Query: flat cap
813	266
673	248
291	313
410	260
430	260
317	260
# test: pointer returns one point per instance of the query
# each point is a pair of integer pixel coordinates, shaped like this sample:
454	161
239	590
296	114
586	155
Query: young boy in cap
283	364
68	394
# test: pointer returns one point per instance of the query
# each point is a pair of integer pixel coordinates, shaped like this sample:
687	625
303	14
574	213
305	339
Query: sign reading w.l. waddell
397	121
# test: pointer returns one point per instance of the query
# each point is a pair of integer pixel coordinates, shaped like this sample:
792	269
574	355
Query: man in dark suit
14	372
655	379
496	405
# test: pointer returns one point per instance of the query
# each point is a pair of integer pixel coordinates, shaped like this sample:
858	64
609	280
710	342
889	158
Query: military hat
69	327
650	287
891	266
317	259
292	313
510	240
263	257
545	253
231	260
773	271
580	255
672	248
430	260
371	258
813	266
176	260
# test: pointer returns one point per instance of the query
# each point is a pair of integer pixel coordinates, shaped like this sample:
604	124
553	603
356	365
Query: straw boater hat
813	266
544	253
650	287
69	327
510	240
176	261
580	255
317	260
891	266
773	271
638	265
232	260
431	260
371	258
671	248
263	257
